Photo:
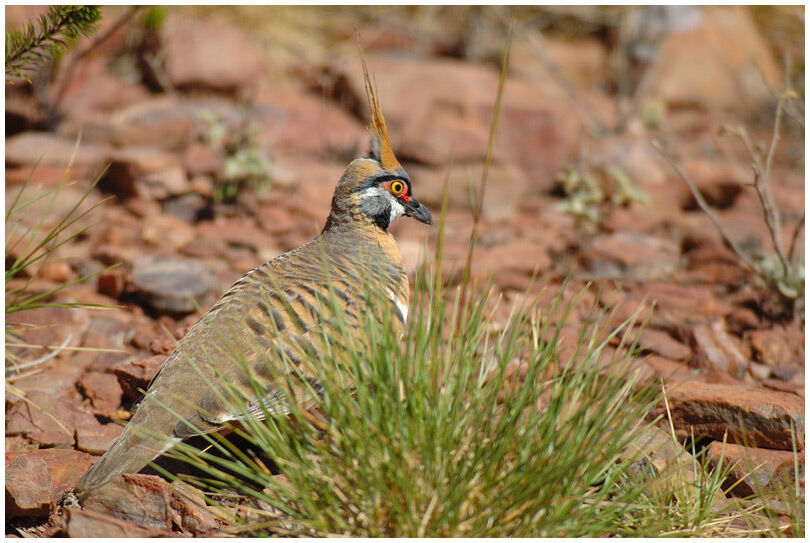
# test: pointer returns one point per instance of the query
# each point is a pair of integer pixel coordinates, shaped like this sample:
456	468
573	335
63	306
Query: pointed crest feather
380	143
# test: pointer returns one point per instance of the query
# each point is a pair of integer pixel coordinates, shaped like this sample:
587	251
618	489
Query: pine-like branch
37	44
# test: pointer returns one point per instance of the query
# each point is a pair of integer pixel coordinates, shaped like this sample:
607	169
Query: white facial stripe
397	209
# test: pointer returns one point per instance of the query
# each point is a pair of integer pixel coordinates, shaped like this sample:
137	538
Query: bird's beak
416	210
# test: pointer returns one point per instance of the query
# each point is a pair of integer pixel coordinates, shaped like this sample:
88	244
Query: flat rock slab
29	488
764	417
755	470
170	285
48	420
35	479
91	524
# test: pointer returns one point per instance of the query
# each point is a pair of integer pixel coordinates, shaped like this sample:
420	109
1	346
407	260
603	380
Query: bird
269	327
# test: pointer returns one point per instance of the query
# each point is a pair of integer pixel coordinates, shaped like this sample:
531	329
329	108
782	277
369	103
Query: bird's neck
358	233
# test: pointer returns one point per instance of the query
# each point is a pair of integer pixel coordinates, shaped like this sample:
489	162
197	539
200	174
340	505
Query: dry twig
704	205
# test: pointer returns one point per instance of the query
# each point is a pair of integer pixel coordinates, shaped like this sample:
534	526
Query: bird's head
375	187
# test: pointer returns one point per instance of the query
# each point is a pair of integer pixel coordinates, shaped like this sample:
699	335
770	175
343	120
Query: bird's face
375	187
382	195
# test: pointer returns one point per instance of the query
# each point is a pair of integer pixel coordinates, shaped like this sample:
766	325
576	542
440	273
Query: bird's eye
397	187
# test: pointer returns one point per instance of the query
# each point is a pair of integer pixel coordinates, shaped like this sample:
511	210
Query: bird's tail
133	450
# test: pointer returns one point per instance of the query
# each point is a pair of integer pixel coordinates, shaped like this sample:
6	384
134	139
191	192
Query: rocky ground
176	115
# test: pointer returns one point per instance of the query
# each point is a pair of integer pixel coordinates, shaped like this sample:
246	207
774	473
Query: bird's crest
380	143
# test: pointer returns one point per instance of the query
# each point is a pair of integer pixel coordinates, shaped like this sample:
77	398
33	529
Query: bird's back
267	329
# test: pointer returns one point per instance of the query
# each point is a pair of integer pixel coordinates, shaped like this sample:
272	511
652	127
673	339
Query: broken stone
632	255
764	417
755	470
661	458
103	391
189	511
170	285
48	420
135	375
191	60
87	524
771	347
29	488
97	439
662	343
142	499
146	173
715	350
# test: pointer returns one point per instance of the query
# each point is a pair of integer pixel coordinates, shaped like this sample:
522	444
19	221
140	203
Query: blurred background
217	135
224	130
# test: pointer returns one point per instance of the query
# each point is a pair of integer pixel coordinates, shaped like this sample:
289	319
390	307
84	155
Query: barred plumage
270	324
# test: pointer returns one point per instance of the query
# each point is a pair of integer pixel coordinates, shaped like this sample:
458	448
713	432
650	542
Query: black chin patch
378	210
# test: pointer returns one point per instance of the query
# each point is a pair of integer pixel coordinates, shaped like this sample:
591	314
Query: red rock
202	53
29	148
99	438
662	343
715	350
742	318
288	118
153	338
583	61
22	114
94	89
58	271
167	231
784	386
506	186
161	122
440	108
112	282
145	172
46	176
189	511
64	466
19	444
712	410
48	420
274	219
632	218
755	470
678	305
137	374
88	524
29	488
771	347
170	285
108	349
134	497
236	232
714	377
48	326
674	468
57	378
634	255
201	159
720	60
103	391
671	372
114	253
518	255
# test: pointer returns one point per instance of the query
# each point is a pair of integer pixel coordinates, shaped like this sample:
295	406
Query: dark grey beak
417	211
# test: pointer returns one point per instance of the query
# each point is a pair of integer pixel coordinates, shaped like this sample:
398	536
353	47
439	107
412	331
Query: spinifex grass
436	438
